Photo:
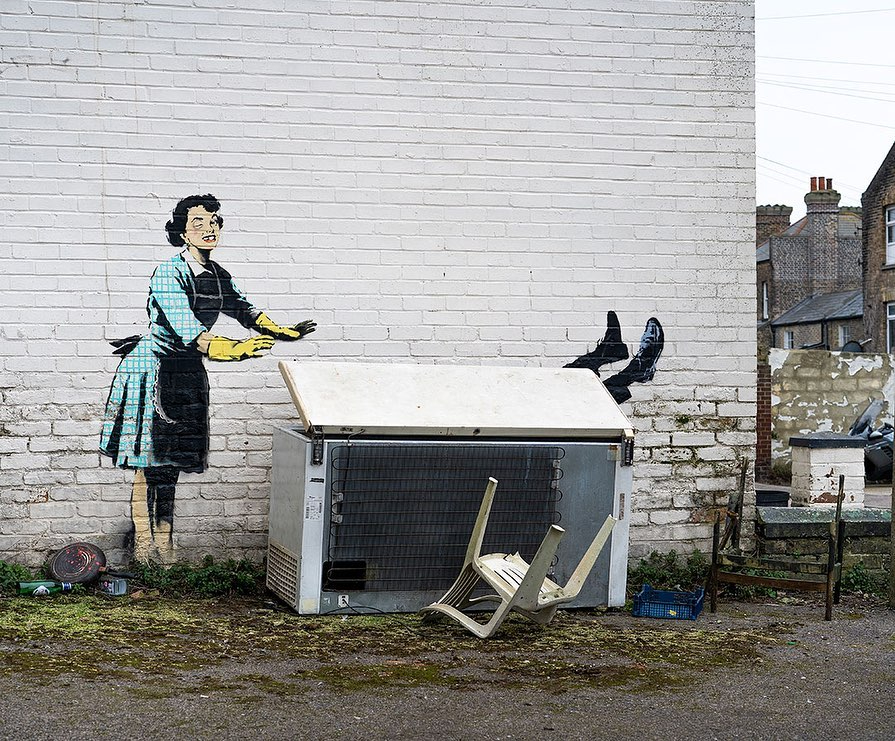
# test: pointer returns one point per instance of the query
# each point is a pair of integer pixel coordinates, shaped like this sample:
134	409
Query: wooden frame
808	576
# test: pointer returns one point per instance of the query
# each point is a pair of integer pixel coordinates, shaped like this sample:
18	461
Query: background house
811	268
878	203
827	321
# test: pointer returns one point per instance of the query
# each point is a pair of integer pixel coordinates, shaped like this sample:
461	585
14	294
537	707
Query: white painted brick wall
433	182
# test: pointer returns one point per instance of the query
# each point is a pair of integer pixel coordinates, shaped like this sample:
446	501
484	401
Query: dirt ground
148	668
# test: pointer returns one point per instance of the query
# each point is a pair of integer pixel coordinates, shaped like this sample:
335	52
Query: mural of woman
156	417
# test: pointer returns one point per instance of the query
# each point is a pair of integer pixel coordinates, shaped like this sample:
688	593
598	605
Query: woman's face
203	228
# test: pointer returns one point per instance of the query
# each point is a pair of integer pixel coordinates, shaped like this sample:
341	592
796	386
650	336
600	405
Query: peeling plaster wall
820	391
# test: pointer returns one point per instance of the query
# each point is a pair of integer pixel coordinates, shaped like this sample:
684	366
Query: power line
849	186
848	85
779	180
824	61
827	79
824	15
826	115
797	180
828	91
792	179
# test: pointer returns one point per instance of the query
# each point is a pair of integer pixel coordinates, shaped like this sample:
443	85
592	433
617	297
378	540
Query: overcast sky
825	96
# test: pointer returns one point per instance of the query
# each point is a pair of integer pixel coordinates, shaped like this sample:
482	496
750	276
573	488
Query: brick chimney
771	221
822	204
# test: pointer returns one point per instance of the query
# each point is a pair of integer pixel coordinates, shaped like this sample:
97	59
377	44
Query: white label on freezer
314	508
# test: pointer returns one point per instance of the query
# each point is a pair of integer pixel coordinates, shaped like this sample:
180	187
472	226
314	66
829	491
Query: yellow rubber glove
292	332
221	348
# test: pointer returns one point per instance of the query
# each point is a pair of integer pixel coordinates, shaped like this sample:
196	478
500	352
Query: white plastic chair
519	586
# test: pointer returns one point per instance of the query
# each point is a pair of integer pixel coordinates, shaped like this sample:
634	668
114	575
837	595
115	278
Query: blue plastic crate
659	603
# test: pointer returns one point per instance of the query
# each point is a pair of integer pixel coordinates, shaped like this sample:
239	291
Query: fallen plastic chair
519	586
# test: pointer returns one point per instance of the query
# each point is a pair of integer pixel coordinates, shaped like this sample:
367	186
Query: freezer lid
486	401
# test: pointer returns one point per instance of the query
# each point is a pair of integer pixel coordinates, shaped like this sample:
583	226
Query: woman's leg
140	518
161	486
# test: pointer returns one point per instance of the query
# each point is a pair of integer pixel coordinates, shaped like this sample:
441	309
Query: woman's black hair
177	225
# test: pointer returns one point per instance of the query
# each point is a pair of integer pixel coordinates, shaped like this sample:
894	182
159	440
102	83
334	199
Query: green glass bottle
43	588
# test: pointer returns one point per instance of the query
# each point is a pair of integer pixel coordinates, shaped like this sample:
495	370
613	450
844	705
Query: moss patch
157	647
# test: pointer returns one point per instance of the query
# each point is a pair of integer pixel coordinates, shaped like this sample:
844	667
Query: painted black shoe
619	393
609	349
642	367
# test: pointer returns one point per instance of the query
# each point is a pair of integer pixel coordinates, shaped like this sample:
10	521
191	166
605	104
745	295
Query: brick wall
790	260
432	182
878	277
810	334
804	532
820	391
771	220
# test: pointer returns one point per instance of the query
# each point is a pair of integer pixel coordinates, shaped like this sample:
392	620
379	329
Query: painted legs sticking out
152	513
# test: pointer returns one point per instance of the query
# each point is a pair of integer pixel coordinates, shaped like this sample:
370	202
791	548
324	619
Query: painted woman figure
156	418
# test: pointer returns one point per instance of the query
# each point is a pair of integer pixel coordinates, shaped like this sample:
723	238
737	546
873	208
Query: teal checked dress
157	411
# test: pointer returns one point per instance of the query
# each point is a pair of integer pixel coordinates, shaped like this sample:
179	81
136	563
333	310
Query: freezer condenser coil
402	514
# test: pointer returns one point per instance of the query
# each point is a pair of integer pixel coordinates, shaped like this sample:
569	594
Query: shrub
860	579
10	576
669	571
209	579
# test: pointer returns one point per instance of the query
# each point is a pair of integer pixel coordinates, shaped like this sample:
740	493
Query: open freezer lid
479	401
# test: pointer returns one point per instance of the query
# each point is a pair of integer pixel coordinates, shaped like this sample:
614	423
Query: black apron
180	423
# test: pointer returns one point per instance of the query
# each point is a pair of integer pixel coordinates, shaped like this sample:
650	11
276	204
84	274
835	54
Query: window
890	235
844	335
789	340
890	327
765	301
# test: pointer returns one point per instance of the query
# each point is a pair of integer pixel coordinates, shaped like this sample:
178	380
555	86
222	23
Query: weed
860	579
746	592
209	579
669	571
10	576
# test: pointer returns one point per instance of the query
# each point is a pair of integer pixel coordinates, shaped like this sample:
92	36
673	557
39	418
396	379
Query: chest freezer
375	493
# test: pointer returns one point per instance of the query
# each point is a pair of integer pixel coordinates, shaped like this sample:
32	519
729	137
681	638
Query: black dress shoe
642	367
610	348
619	393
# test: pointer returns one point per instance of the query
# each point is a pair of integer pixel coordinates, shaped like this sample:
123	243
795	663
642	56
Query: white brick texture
450	182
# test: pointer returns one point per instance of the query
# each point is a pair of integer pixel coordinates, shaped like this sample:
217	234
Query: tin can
112	585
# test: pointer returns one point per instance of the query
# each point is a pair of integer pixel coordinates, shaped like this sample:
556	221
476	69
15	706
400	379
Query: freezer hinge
628	448
316	445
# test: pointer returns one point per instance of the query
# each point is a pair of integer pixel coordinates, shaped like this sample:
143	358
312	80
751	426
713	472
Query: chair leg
482	630
457	596
831	570
474	548
530	588
840	551
713	571
582	570
542	616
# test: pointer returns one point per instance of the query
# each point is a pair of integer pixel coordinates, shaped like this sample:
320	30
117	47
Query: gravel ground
148	668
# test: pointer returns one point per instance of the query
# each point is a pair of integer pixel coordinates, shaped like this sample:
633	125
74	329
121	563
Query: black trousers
161	483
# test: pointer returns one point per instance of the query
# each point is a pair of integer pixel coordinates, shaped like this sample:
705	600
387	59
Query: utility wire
824	61
780	176
766	171
827	91
826	79
820	87
772	177
824	15
826	115
849	186
852	86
